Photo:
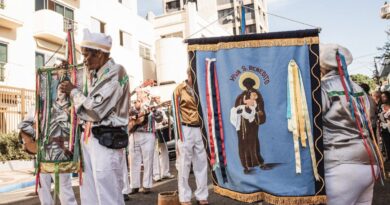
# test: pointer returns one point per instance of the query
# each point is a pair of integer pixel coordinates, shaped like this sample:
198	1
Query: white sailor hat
98	41
328	56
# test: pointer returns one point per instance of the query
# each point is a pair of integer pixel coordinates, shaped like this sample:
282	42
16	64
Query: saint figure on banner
246	116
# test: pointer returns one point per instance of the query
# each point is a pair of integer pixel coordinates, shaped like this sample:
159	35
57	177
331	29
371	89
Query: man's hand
66	87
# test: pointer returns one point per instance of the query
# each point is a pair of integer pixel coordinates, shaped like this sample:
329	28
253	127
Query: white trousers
349	184
103	174
141	149
160	161
191	150
125	172
66	192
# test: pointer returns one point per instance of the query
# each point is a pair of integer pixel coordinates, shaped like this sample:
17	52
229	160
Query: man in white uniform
190	145
161	157
348	170
141	148
44	191
102	107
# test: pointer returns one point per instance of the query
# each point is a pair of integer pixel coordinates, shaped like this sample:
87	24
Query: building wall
212	10
42	31
171	30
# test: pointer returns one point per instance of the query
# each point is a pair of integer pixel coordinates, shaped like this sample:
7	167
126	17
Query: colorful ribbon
298	117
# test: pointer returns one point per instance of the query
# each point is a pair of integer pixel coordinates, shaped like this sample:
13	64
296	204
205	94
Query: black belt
190	125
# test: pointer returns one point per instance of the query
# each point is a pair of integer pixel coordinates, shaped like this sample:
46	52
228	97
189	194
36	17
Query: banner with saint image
57	128
260	103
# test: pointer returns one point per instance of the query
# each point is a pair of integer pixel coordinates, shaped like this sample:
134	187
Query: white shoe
156	179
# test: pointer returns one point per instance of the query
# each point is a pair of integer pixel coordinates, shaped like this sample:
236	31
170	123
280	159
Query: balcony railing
69	24
385	11
2	72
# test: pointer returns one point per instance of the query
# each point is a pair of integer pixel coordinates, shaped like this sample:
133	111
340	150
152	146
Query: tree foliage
11	149
360	78
385	49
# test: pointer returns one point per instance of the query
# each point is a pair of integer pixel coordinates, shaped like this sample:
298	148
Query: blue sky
355	24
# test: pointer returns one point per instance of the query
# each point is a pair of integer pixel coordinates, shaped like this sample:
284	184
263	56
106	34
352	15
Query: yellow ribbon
298	97
299	123
293	122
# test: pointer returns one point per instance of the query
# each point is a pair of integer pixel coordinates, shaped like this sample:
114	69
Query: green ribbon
341	93
57	179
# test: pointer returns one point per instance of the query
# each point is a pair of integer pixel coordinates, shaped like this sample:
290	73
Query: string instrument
29	144
146	83
138	119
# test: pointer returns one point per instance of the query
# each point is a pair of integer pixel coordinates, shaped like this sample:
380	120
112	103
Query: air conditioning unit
385	11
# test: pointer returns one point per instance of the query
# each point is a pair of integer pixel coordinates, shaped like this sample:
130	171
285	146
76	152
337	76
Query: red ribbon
209	116
357	116
220	117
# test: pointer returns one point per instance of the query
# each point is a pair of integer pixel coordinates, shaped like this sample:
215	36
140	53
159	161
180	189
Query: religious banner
56	127
260	105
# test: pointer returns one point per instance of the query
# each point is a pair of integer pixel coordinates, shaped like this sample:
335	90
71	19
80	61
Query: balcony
6	17
385	11
49	26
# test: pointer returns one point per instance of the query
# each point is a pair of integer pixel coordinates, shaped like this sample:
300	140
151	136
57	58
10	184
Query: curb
14	187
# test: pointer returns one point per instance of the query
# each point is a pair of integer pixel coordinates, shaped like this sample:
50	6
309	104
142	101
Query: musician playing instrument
163	133
27	132
141	148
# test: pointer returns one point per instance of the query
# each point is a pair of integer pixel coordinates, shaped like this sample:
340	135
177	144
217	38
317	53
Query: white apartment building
229	13
256	18
171	30
32	31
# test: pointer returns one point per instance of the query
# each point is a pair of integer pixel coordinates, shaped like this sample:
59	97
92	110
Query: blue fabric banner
264	140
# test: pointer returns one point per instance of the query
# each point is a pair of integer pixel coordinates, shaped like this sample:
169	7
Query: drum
163	134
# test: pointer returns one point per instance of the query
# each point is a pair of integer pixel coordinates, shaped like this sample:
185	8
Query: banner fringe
276	200
254	44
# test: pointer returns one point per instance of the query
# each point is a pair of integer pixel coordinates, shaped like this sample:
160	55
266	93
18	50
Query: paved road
27	197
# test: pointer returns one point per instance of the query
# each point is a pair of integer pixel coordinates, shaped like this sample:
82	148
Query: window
173	6
249	12
3	60
54	6
97	26
66	12
125	39
251	28
40	4
2	4
144	51
225	16
39	60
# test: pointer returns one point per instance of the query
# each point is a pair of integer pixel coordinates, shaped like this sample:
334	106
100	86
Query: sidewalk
12	184
17	179
18	187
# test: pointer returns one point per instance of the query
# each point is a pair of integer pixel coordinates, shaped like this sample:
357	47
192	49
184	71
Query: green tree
360	78
385	49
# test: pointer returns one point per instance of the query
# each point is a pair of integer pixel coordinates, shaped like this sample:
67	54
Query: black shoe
126	197
146	190
134	191
170	176
264	167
